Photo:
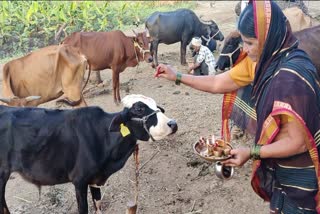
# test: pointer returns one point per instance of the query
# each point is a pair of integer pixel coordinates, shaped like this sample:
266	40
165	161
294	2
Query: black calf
83	146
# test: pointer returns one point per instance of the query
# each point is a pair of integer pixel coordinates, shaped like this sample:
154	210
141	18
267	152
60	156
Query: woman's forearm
220	83
282	149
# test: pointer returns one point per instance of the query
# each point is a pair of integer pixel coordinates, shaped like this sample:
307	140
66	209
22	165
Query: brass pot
223	172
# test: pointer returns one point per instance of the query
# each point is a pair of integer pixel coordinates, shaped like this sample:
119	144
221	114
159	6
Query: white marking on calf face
162	129
129	100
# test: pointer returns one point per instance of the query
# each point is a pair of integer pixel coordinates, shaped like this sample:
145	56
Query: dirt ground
172	178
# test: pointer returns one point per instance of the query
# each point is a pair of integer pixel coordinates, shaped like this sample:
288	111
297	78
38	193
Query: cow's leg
183	47
152	54
116	84
81	194
96	198
98	79
155	44
4	176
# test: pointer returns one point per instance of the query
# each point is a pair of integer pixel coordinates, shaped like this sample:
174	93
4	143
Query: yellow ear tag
124	130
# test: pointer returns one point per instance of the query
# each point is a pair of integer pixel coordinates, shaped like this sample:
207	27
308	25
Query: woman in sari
286	94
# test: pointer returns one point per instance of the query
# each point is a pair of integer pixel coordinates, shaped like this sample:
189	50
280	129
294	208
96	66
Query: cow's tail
89	73
7	89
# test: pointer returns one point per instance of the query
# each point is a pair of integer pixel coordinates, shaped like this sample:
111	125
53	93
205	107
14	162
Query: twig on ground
196	178
192	208
22	199
143	165
131	181
195	212
178	187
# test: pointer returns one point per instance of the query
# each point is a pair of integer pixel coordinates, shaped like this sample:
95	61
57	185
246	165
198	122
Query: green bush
27	25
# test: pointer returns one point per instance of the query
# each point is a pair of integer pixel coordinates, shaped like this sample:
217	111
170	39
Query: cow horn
5	100
204	21
31	98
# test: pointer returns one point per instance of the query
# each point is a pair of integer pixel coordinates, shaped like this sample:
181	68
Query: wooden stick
131	207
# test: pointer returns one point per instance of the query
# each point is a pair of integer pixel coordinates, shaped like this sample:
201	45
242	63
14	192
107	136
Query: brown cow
112	50
48	73
298	20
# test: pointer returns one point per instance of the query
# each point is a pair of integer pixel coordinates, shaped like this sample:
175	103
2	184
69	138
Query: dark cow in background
113	50
47	73
230	51
178	26
309	41
84	146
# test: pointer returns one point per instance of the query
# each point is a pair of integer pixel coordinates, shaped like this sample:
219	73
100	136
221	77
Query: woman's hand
166	71
239	157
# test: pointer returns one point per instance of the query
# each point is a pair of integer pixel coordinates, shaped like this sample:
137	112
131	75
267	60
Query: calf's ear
118	120
115	124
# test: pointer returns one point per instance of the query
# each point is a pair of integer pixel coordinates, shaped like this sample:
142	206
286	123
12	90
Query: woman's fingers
161	68
165	71
230	162
234	160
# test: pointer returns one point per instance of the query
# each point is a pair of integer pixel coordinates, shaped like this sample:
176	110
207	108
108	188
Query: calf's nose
173	125
150	59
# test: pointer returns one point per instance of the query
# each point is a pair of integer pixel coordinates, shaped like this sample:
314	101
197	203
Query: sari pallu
291	93
231	109
243	112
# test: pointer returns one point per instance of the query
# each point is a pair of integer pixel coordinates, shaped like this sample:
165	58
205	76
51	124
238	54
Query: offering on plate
213	148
